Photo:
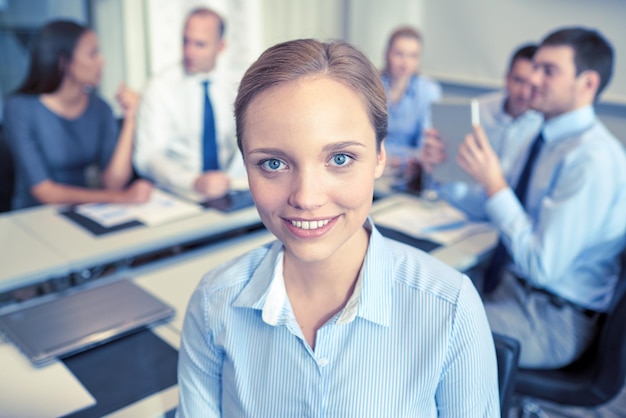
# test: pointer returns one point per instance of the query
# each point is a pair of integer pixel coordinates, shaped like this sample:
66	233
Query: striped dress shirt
412	341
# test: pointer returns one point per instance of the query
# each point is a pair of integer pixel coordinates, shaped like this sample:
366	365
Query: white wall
469	42
466	43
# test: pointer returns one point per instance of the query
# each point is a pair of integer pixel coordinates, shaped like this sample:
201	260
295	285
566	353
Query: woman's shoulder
18	101
235	272
22	106
428	83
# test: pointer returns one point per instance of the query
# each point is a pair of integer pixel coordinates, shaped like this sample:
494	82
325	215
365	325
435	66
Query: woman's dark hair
51	52
293	60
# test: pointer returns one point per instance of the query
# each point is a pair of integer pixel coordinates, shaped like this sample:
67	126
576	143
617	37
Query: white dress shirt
168	148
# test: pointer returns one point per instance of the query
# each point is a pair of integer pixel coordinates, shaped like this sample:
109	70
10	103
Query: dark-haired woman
58	129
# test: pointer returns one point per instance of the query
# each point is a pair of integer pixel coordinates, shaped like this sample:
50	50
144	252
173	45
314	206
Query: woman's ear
381	160
63	61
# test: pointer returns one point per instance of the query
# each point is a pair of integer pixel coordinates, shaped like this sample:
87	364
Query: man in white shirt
169	147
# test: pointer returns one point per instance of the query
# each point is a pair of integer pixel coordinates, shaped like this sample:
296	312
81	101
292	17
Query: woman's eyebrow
271	151
341	145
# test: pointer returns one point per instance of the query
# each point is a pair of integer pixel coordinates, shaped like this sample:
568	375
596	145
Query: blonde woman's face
311	156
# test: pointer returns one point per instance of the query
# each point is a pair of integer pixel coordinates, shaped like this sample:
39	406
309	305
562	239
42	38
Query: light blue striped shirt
510	139
412	341
574	225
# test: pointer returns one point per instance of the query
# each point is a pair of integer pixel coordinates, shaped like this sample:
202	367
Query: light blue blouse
411	114
413	340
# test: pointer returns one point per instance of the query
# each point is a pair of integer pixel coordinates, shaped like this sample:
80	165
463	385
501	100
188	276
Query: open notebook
77	321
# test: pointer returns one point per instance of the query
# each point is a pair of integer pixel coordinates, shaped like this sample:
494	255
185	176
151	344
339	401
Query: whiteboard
470	42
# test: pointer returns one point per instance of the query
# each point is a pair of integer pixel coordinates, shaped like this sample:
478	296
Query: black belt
558	301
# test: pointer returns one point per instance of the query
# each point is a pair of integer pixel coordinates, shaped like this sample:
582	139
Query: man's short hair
205	11
591	51
525	52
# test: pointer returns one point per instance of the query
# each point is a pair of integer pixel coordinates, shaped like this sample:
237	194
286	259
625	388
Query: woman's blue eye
272	164
340	159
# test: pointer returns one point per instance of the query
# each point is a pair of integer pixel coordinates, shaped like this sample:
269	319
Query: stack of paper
161	208
443	224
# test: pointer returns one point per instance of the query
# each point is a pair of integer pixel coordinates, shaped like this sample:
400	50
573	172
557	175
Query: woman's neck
397	87
332	279
68	101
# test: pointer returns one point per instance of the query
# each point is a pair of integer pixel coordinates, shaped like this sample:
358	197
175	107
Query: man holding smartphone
561	223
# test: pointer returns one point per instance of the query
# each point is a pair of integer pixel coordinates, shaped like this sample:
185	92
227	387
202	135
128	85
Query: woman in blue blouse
58	128
409	94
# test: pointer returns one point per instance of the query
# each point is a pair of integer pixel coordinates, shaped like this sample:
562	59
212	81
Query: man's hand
478	158
432	152
212	184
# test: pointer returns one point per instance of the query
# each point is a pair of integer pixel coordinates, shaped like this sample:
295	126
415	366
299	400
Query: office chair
7	174
507	354
592	380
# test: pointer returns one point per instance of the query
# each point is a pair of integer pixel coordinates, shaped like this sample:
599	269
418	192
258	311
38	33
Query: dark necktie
500	254
209	145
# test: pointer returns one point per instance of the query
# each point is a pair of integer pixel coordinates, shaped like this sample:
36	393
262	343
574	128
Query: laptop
76	321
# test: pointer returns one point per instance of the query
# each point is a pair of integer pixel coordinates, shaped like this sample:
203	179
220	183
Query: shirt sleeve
576	203
199	364
23	140
154	132
109	134
469	383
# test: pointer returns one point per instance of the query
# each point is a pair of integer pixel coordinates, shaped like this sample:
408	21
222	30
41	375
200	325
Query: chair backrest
507	353
7	174
610	356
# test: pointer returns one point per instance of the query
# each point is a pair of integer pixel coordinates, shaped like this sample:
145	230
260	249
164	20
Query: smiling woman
402	333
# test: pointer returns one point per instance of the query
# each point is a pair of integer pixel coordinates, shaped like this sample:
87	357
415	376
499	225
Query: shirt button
323	362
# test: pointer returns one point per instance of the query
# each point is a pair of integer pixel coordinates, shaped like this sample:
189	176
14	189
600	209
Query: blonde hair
401	32
292	60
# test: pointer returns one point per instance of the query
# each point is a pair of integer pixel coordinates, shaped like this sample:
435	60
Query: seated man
186	129
563	225
508	122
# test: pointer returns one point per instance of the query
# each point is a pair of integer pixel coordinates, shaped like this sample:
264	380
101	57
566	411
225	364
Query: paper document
443	223
161	208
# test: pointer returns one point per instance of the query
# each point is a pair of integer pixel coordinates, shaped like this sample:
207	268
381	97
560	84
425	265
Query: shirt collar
371	299
502	115
411	88
569	124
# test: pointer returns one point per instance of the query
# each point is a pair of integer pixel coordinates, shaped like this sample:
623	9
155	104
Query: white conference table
461	248
173	280
77	250
25	259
